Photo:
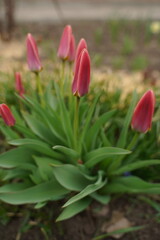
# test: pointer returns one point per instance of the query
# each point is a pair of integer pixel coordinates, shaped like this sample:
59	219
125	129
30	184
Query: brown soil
85	226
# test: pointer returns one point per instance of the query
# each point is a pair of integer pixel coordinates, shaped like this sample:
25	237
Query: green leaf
8	132
50	98
88	190
36	145
96	156
74	209
39	193
106	142
40	205
70	177
39	129
67	151
88	119
66	121
18	117
44	166
16	157
136	165
103	199
16	173
123	136
94	130
49	117
131	184
119	231
25	131
12	187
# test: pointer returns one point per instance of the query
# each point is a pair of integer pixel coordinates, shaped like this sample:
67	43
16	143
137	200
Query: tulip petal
81	45
64	46
142	117
81	79
84	74
18	84
72	49
33	60
6	114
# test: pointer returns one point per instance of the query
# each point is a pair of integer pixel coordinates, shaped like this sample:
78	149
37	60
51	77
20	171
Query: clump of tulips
62	150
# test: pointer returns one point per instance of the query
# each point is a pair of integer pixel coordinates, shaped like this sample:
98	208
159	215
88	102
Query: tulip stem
62	76
70	70
133	141
39	88
76	121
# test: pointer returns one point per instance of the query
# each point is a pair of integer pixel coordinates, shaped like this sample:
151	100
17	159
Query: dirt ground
28	224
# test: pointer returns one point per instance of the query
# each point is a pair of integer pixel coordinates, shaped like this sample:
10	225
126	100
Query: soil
29	224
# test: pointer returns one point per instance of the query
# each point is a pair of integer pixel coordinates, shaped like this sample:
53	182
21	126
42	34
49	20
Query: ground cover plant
67	148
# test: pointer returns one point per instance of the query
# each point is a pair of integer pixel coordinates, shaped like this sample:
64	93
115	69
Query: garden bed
113	45
27	224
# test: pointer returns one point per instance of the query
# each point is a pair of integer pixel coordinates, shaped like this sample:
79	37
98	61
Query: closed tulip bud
81	80
81	45
64	46
6	114
18	84
143	113
33	59
72	49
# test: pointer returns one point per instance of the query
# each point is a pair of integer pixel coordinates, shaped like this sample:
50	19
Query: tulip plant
61	146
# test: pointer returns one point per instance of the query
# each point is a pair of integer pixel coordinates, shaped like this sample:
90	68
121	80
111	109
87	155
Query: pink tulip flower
64	46
143	113
81	80
81	45
6	114
33	59
18	84
72	49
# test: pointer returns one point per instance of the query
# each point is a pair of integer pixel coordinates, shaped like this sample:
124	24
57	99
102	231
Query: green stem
76	121
70	70
62	76
20	105
39	88
133	141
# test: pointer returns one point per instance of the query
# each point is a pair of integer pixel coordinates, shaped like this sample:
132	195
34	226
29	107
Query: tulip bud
81	45
72	49
81	78
18	84
64	46
143	113
6	114
33	59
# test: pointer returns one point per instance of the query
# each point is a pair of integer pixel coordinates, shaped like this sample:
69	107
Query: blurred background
121	34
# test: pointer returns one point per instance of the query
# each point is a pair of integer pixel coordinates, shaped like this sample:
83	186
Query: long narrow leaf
74	209
96	156
36	145
94	130
42	192
88	190
123	136
136	165
119	231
